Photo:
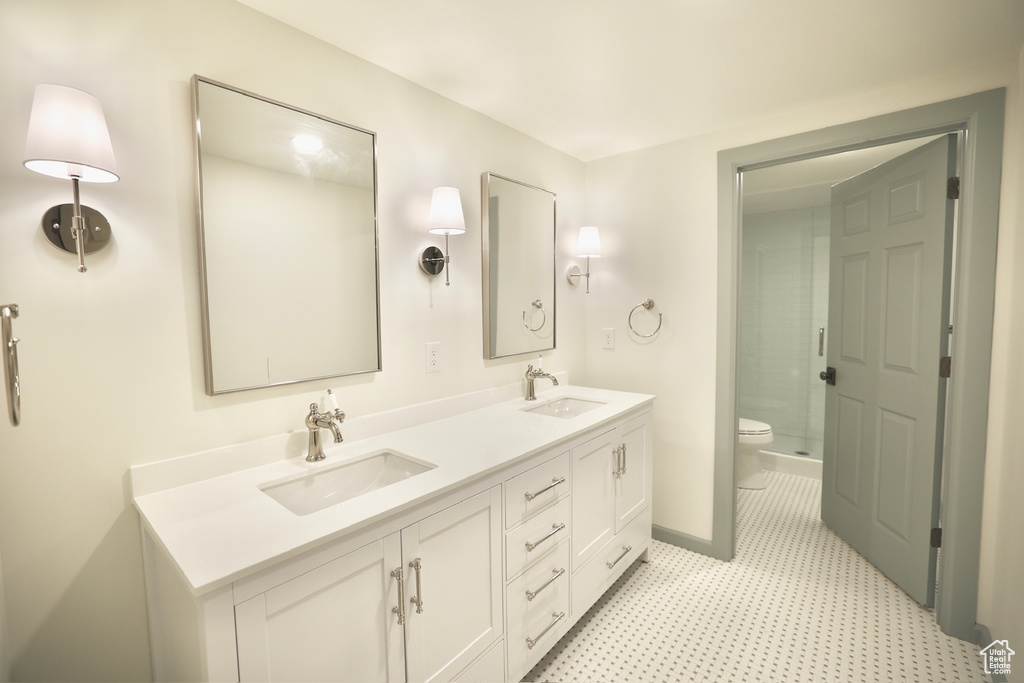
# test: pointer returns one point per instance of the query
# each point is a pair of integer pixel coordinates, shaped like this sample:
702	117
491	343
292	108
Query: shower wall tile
783	302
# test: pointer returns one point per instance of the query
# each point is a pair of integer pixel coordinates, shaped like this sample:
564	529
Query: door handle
829	375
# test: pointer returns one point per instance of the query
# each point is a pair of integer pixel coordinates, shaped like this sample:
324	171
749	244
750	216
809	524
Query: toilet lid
754	428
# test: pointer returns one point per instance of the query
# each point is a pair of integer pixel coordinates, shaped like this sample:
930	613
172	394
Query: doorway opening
979	118
859	243
783	308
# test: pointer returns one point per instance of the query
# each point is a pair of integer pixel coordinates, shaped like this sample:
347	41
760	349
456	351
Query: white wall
1001	582
658	212
5	652
111	361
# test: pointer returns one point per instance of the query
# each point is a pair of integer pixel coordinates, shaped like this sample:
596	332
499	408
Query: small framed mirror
288	241
518	241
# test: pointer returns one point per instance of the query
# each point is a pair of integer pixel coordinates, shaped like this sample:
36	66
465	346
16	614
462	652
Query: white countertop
222	528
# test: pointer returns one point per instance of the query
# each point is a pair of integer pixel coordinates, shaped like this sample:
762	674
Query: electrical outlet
433	356
608	338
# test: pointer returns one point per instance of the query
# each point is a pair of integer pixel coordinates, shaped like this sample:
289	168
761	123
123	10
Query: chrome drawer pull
558	616
625	551
554	483
530	595
400	610
418	598
555	528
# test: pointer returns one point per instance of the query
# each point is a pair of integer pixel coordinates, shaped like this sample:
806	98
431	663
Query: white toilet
753	436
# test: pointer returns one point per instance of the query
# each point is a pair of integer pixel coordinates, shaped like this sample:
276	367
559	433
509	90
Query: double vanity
439	542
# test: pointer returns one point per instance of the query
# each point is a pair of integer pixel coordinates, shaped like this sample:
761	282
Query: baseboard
686	541
983	637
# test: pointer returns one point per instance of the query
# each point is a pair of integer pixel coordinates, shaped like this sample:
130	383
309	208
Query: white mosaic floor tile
796	604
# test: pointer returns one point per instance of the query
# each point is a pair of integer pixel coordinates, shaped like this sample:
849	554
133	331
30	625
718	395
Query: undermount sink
312	492
564	407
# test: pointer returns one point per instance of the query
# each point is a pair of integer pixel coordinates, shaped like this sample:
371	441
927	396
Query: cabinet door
459	587
593	494
332	623
633	482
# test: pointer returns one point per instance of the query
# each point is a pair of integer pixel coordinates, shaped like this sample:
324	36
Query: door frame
980	118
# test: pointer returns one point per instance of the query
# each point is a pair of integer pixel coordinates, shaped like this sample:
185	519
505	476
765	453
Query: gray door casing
979	118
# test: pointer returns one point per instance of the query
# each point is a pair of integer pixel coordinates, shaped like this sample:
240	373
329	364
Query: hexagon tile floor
796	604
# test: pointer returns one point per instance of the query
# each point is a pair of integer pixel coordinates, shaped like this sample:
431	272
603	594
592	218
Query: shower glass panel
783	305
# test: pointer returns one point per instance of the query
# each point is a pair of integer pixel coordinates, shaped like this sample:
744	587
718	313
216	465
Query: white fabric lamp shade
446	212
589	245
67	136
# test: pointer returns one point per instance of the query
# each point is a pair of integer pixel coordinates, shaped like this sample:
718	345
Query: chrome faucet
316	421
531	375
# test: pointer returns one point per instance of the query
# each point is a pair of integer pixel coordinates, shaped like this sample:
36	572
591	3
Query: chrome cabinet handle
7	313
821	341
530	595
418	598
400	610
554	482
620	460
555	528
625	551
558	616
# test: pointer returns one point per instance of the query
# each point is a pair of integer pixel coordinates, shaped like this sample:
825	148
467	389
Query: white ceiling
599	77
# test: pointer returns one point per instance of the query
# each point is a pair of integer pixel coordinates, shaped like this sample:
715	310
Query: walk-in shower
783	318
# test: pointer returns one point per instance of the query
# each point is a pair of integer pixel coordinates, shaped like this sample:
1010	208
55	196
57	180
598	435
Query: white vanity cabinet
611	506
338	622
470	571
331	623
458	587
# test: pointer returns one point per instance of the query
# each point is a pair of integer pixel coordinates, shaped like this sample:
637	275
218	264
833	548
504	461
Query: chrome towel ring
647	304
536	304
10	351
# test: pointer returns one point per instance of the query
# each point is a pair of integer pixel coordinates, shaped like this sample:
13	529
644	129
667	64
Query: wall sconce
68	138
588	247
445	219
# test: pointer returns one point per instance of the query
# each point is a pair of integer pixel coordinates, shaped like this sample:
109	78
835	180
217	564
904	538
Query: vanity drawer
548	583
596	576
533	489
534	538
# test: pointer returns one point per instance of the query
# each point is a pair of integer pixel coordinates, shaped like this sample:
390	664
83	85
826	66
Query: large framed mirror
288	241
518	241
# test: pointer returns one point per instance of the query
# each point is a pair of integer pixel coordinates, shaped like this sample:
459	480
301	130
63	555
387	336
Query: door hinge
937	538
953	188
945	367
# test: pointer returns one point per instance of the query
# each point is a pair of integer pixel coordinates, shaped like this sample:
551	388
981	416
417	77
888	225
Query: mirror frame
204	294
485	262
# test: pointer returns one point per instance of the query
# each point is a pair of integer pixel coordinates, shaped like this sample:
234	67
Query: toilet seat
754	428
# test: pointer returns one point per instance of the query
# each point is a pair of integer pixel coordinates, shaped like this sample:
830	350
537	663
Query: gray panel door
889	284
